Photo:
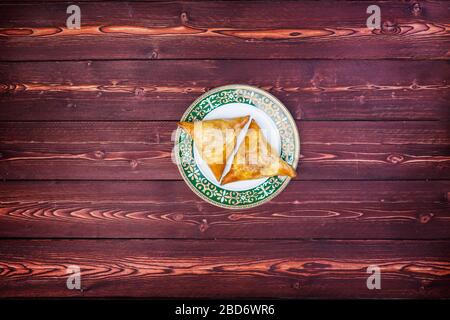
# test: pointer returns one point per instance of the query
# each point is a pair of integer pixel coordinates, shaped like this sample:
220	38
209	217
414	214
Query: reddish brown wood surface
142	150
162	268
161	90
85	146
140	209
260	29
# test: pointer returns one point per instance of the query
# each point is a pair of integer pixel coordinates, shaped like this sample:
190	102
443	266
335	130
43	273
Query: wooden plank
168	209
142	150
213	269
162	90
228	30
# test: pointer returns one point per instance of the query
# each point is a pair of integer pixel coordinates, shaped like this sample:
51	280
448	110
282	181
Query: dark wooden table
87	177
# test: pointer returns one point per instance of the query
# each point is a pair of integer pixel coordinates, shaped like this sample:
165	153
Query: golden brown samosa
215	140
256	158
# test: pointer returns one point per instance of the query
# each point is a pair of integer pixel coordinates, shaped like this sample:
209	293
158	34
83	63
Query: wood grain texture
142	150
162	90
85	150
228	30
170	268
168	209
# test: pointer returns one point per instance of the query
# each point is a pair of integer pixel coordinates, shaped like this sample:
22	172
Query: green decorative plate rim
184	151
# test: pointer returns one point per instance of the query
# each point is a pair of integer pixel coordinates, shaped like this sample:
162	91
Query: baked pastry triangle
256	158
215	140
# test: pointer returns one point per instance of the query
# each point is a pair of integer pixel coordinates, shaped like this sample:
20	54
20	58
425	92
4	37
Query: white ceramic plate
277	126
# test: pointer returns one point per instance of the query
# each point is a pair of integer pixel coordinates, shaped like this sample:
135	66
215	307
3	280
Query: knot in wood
178	217
184	18
133	164
235	216
204	225
425	217
389	27
138	92
99	154
395	158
